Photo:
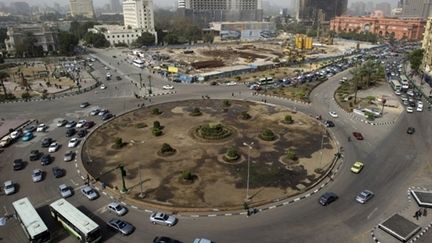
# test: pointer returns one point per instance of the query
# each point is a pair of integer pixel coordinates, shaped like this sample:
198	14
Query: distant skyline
168	3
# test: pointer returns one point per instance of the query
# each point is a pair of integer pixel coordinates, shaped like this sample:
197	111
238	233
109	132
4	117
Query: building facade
82	8
138	14
427	54
308	11
203	12
416	8
409	29
247	31
44	36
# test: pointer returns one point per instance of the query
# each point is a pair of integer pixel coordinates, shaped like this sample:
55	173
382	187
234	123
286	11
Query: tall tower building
138	14
205	11
82	8
308	11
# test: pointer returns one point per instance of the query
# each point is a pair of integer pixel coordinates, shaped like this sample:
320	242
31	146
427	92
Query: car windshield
164	216
9	186
118	208
37	173
122	225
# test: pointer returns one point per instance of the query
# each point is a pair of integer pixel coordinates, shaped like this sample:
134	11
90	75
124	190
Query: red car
358	135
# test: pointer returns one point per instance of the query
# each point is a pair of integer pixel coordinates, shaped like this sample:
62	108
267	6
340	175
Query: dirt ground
217	184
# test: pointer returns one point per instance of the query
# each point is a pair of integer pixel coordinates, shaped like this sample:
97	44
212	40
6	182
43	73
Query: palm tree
3	76
357	73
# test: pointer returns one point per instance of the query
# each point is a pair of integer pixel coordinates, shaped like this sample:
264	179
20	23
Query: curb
281	98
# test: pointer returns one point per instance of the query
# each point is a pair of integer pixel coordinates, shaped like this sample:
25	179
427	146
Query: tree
208	38
98	40
80	29
27	46
3	36
67	43
171	39
288	119
415	58
146	39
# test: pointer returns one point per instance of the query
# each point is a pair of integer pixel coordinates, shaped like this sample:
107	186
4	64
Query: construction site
228	60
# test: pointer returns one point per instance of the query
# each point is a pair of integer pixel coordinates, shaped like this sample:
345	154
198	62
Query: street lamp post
248	169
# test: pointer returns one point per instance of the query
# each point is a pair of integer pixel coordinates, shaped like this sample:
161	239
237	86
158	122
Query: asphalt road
392	159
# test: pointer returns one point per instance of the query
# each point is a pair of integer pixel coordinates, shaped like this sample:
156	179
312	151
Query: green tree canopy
415	58
146	39
98	40
67	43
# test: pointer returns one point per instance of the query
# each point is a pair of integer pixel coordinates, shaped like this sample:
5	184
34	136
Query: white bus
138	63
32	224
75	222
395	84
404	82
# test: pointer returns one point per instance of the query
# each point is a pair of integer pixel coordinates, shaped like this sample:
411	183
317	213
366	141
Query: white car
409	109
398	92
103	86
65	191
106	68
37	175
41	128
73	142
108	74
15	134
168	87
95	111
53	147
89	192
231	83
80	123
162	218
419	104
419	108
9	187
333	114
117	208
201	240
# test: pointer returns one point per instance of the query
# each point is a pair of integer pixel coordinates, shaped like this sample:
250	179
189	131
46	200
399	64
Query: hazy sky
281	3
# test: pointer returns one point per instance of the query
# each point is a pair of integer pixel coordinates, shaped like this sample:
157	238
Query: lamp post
248	169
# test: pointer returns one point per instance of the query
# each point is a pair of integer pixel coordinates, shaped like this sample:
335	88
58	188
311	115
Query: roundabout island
193	155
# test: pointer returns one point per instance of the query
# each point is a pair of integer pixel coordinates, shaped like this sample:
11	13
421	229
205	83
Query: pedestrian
265	101
419	212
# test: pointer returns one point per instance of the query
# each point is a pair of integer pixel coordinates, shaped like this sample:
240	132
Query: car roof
8	183
114	204
63	186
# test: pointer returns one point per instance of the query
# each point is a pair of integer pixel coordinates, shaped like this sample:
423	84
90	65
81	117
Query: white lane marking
73	182
101	210
373	211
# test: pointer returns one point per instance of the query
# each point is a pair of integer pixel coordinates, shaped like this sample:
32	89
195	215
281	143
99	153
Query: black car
70	132
35	155
58	172
81	133
18	164
84	105
164	239
411	130
329	124
107	116
46	159
46	142
327	198
118	78
89	124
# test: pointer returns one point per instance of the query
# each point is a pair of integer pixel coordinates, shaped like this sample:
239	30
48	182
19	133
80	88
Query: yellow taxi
357	167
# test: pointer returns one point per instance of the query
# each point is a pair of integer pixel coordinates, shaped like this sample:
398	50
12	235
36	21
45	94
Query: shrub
213	131
267	135
156	111
288	119
187	175
319	170
118	143
291	154
196	112
245	116
166	148
156	132
226	103
156	124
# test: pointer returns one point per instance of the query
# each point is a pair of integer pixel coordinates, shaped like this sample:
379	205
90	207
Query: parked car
80	123
5	141
121	226
202	240
70	124
357	167
364	196
164	239
35	155
411	130
117	209
9	187
107	116
89	192
18	164
409	109
58	172
81	133
333	114
73	142
61	122
94	112
118	78
46	159
37	175
29	129
53	147
89	124
69	156
65	191
70	132
103	87
162	218
328	123
358	135
103	112
46	142
16	134
27	136
84	104
327	198
41	128
168	87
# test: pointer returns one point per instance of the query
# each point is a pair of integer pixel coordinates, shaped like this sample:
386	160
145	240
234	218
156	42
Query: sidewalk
418	83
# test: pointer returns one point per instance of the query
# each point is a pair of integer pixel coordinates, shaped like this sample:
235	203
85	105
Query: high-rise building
82	8
309	11
115	6
416	8
384	7
138	14
205	11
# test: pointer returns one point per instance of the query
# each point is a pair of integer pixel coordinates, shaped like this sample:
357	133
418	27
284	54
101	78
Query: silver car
37	175
89	192
65	191
121	226
117	208
162	218
364	196
9	187
69	155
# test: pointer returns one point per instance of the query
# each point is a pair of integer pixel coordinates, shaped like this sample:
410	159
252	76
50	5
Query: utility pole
150	85
123	174
141	195
248	169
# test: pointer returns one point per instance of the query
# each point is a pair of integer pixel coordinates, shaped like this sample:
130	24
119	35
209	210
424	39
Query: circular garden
194	153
